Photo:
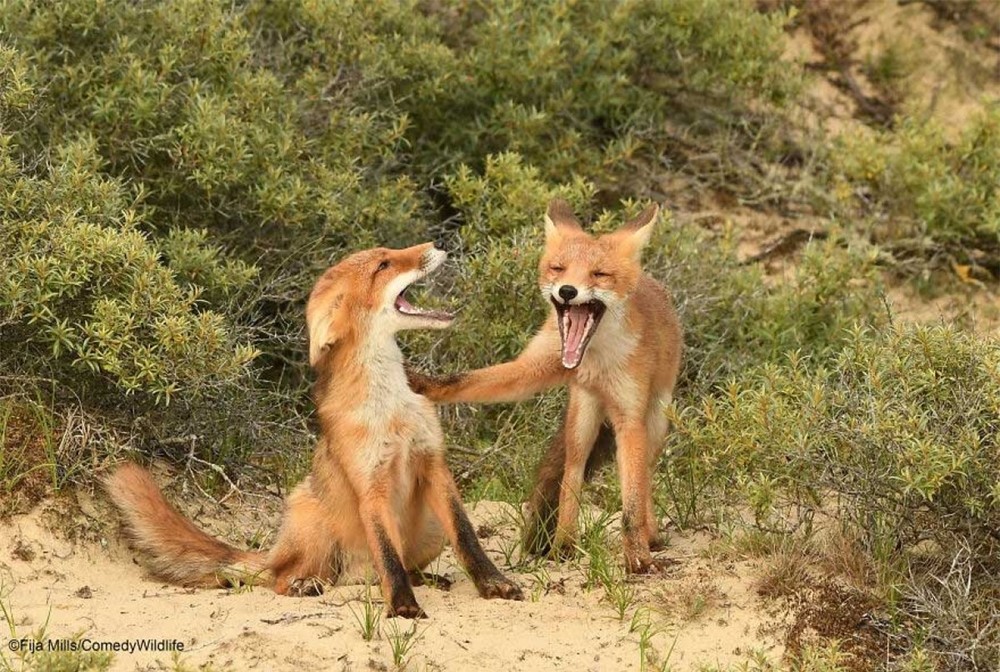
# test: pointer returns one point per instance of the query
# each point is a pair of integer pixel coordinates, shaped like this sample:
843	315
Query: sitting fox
379	491
613	336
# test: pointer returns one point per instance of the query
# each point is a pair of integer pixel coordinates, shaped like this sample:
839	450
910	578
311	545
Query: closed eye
557	268
601	274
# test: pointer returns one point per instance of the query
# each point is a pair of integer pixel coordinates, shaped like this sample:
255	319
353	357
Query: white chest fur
606	363
396	420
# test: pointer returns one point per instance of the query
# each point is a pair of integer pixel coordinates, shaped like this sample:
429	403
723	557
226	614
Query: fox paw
648	565
501	587
309	587
405	610
640	565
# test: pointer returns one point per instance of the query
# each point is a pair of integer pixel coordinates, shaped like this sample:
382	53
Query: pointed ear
322	323
638	231
559	215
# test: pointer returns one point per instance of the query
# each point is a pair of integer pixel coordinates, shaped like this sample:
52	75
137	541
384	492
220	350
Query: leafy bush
899	435
580	88
917	183
84	287
264	139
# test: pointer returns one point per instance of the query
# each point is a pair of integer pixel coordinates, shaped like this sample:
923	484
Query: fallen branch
786	244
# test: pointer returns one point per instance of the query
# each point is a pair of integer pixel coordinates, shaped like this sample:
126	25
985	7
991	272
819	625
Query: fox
379	491
614	338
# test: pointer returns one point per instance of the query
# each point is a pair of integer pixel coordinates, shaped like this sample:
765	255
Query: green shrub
82	281
579	88
259	141
192	166
899	435
916	183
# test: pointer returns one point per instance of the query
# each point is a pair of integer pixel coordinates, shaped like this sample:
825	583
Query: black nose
568	292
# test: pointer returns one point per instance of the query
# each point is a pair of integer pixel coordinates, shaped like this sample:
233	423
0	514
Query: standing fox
614	337
379	489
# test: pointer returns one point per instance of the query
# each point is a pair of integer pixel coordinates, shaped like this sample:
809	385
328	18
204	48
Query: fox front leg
385	545
443	498
636	486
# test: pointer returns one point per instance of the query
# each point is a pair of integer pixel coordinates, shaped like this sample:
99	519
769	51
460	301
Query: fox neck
372	360
382	360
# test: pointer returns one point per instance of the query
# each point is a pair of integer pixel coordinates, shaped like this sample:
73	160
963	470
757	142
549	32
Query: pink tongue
574	334
403	303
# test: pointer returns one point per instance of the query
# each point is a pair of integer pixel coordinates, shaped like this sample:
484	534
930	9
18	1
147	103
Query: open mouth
577	324
404	307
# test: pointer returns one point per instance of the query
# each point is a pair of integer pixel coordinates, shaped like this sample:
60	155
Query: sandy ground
91	586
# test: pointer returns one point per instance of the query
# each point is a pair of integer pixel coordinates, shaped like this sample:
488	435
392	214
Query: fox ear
559	215
322	323
638	231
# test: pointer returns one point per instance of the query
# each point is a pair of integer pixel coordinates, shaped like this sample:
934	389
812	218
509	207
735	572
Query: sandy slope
94	588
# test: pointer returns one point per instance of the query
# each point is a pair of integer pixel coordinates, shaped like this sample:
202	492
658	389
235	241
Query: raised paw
500	586
309	587
405	610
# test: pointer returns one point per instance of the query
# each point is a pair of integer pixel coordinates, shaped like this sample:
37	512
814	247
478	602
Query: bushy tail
543	506
178	551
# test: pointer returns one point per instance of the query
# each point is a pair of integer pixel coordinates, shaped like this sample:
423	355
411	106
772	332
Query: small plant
369	615
594	545
620	593
650	660
401	642
826	657
540	581
603	567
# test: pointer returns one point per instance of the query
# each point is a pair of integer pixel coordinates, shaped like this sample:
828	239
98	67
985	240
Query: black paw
406	610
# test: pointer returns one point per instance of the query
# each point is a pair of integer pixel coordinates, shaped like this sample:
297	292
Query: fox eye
558	268
384	265
600	274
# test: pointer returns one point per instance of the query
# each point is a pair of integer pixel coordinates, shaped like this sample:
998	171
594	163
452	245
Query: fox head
364	295
585	276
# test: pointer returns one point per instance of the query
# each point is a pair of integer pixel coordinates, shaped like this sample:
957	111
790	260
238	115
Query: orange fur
379	488
622	371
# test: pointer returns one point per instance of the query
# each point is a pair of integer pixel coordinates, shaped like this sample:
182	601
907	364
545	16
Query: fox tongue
574	331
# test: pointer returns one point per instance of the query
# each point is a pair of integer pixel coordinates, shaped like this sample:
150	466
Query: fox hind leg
543	505
656	428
